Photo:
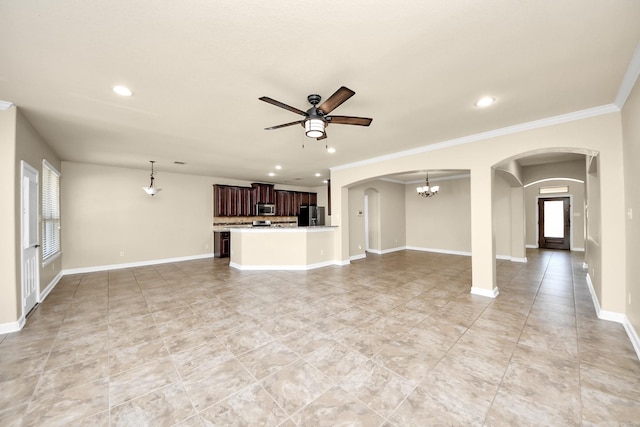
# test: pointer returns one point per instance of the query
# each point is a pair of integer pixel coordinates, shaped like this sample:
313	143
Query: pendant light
427	190
152	190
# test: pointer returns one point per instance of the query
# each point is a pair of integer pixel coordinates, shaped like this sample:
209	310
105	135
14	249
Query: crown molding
629	79
536	124
5	105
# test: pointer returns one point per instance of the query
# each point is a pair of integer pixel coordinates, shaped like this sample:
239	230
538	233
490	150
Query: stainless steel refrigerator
311	216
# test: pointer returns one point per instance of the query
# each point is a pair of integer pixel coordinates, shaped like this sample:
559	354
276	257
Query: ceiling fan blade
349	120
284	125
324	136
335	100
281	105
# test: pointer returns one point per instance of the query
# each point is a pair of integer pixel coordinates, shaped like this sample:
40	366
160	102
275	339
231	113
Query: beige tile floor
394	340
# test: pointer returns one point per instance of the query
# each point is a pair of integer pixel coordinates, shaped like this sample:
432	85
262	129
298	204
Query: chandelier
152	190
427	190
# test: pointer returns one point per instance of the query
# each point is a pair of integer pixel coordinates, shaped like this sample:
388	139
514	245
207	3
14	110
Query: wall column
483	251
518	234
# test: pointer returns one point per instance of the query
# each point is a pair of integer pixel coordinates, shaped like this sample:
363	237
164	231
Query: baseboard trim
390	250
438	251
613	316
531	246
7	328
485	292
515	259
50	287
282	267
633	335
357	257
577	249
134	264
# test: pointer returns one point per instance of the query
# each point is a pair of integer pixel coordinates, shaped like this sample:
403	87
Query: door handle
36	246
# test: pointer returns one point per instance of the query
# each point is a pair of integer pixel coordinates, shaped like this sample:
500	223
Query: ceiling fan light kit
314	128
316	119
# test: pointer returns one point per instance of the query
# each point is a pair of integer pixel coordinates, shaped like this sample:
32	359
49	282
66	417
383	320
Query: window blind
50	211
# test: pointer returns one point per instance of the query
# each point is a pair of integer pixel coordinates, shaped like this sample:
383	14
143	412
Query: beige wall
631	155
109	220
9	259
442	222
502	216
386	210
600	133
18	142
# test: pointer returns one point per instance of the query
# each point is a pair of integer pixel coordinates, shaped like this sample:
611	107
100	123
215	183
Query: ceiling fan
315	118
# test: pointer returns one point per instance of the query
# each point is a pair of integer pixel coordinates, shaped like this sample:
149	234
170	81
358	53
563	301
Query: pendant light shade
152	190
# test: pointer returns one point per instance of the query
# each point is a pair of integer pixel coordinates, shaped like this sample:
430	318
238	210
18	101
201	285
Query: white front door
30	245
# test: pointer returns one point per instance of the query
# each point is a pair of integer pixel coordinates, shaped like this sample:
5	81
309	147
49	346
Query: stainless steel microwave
263	209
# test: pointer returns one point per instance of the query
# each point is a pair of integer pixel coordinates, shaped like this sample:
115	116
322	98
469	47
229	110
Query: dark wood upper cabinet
231	200
264	193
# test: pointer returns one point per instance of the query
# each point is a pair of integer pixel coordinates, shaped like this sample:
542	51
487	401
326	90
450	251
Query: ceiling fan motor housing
314	99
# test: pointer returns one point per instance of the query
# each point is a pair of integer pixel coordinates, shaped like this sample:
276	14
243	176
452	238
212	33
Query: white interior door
30	245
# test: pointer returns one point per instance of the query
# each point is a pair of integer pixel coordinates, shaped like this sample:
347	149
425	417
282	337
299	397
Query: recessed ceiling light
278	167
331	150
271	174
122	90
317	173
325	181
485	101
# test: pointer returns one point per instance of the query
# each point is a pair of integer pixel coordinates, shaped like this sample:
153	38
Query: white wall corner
6	328
485	292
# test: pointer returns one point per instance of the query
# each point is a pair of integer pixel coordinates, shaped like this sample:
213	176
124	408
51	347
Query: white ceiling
198	68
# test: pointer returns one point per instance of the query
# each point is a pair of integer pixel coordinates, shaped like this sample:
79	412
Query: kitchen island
281	248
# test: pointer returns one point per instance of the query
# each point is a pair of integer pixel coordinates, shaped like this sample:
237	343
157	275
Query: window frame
50	212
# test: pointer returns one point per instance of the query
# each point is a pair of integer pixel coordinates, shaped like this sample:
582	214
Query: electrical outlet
630	213
359	246
206	246
321	251
121	253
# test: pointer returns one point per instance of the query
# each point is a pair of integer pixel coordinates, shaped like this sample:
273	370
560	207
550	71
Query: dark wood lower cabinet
221	244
